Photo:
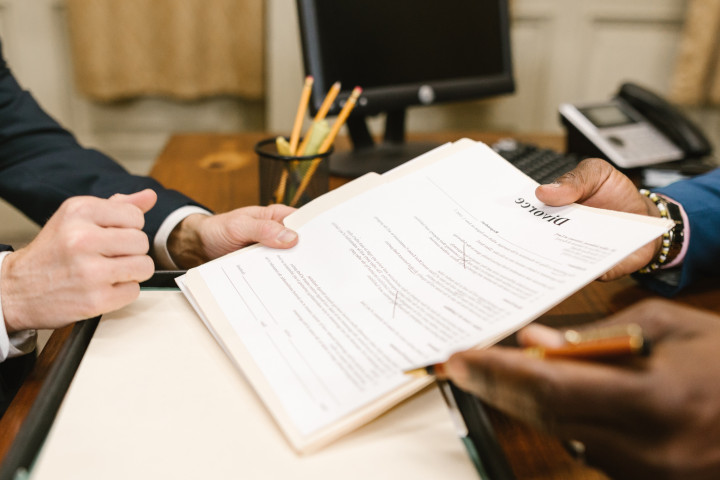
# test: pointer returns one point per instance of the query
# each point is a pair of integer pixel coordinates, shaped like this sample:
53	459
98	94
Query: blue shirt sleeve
700	197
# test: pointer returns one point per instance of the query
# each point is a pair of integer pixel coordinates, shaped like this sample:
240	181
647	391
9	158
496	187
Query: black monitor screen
391	48
404	45
402	53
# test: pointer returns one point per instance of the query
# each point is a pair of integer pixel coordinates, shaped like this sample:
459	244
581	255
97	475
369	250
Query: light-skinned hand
199	238
86	260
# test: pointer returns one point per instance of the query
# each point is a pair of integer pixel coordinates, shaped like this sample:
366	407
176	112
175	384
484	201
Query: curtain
183	49
696	80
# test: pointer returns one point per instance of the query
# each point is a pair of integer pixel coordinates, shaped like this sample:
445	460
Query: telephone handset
668	119
636	128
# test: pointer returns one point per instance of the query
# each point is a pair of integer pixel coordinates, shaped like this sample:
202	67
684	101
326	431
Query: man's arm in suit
700	198
596	183
42	165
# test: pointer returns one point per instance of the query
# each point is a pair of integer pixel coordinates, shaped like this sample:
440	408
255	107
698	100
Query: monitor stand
367	156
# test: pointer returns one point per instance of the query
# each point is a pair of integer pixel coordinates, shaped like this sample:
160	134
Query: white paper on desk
452	255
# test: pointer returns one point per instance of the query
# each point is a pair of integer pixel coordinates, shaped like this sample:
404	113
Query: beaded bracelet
667	238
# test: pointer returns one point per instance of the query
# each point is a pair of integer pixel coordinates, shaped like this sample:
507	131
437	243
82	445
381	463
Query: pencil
327	143
295	134
320	115
425	371
300	115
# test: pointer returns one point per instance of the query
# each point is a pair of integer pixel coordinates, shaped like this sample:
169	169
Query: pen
602	343
595	349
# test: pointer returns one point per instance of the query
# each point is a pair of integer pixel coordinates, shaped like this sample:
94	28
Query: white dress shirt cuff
163	260
17	343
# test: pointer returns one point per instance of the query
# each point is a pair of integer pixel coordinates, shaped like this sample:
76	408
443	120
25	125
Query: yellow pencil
295	134
327	143
300	115
321	113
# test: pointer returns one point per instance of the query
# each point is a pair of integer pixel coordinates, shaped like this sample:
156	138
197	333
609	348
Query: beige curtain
185	49
696	80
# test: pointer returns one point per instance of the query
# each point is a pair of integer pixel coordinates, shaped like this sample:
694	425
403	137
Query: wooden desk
220	171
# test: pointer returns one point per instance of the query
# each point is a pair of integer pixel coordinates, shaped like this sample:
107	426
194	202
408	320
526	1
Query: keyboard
541	164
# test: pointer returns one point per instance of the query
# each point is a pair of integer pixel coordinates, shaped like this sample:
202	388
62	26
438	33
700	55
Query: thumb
273	234
536	334
144	199
576	185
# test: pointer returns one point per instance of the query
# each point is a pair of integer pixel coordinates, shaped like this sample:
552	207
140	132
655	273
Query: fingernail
286	236
553	185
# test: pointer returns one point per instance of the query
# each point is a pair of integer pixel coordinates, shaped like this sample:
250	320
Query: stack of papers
447	252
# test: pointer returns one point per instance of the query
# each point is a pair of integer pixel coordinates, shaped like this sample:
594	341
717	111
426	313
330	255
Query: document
450	251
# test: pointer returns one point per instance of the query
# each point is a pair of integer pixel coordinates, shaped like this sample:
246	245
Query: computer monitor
402	53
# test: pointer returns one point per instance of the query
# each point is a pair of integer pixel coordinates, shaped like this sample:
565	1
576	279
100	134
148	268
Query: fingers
660	319
657	318
88	259
199	238
114	212
267	232
555	395
563	395
121	294
144	199
111	241
276	212
594	183
131	268
577	185
654	413
106	299
540	335
264	225
108	227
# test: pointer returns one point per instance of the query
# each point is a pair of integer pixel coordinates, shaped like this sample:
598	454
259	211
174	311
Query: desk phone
636	128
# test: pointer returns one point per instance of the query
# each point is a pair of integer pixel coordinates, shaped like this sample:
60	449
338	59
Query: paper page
453	255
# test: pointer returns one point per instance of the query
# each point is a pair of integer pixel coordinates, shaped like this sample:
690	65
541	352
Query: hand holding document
392	272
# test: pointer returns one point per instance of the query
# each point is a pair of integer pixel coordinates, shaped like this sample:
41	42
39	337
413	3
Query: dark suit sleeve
700	198
41	164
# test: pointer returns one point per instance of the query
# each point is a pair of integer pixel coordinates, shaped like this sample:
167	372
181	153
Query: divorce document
454	254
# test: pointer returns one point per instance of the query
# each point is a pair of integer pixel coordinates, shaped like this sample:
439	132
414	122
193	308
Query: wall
564	50
36	45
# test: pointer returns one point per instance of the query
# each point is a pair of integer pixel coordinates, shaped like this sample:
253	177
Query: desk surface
220	171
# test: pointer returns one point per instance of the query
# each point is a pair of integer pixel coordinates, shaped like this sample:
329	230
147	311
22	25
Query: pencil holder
290	180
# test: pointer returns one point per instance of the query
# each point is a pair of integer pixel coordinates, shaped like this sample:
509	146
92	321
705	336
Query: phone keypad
641	145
